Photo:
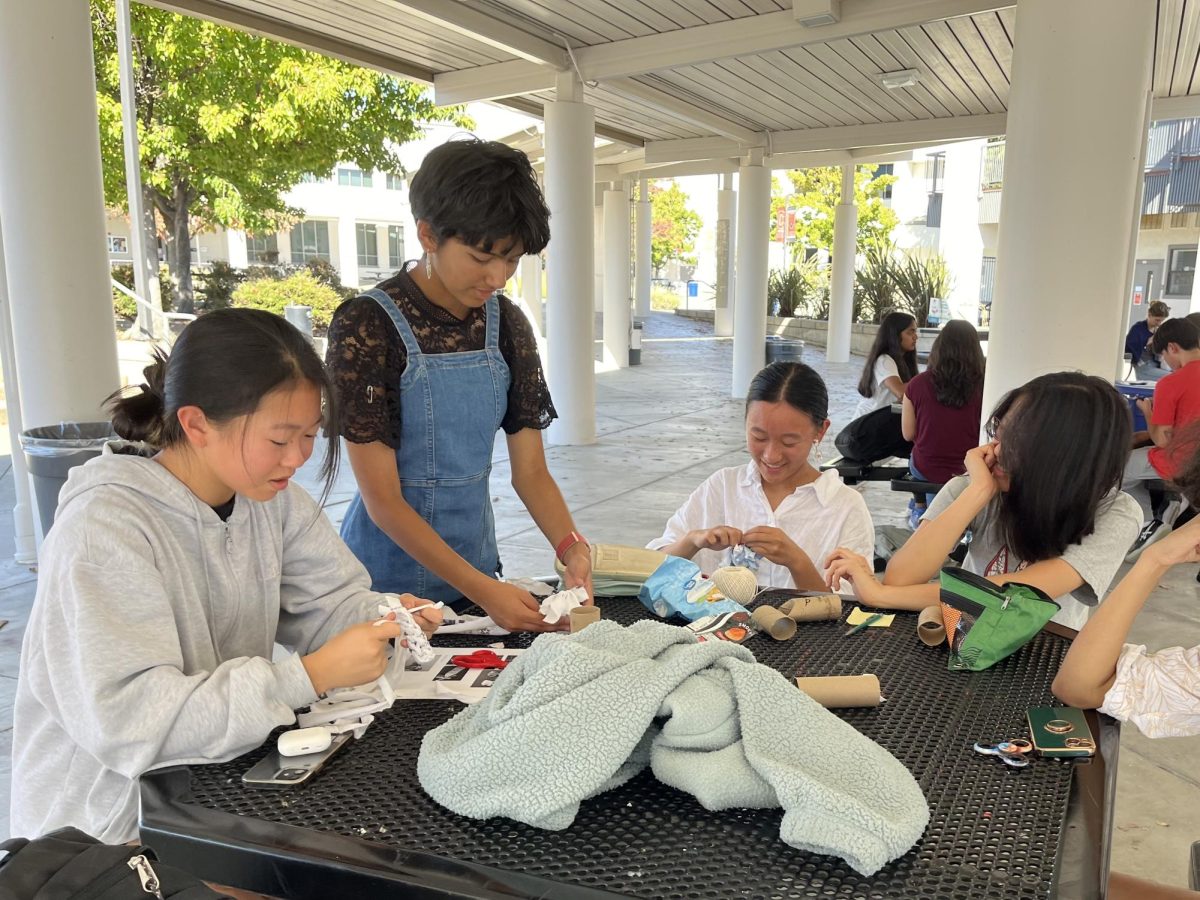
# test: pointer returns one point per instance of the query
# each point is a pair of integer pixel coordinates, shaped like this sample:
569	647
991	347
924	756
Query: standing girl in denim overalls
429	366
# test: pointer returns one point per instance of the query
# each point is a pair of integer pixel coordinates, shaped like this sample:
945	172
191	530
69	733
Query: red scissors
480	659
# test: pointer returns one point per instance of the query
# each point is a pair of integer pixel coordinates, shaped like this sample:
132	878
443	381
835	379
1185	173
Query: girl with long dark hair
777	504
174	565
891	364
1042	499
942	407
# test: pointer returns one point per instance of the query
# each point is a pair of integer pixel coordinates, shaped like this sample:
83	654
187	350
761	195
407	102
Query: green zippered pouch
987	622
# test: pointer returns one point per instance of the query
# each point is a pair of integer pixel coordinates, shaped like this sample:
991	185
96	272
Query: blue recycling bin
1132	393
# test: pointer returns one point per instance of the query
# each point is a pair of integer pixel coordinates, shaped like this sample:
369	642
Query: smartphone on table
277	771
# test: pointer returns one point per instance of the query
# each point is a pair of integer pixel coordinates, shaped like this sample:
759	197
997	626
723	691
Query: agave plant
918	280
875	281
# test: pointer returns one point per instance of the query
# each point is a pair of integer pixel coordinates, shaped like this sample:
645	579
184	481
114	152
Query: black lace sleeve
529	404
365	359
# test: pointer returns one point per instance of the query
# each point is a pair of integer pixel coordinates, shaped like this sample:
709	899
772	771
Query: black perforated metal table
364	828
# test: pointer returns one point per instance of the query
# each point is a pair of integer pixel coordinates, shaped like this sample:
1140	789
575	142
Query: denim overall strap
451	405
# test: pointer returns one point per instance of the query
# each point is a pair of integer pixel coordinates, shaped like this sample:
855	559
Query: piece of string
574	63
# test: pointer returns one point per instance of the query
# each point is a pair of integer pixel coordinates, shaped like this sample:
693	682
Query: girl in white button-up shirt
778	504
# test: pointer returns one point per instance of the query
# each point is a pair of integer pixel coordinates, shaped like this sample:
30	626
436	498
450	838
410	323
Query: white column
145	280
598	249
235	249
531	293
52	197
1073	73
642	267
750	313
959	239
347	238
726	245
617	302
841	283
23	533
570	178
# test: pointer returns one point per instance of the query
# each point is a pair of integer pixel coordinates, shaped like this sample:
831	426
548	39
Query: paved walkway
663	427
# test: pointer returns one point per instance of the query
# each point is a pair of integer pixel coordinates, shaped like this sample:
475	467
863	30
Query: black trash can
52	451
635	342
784	349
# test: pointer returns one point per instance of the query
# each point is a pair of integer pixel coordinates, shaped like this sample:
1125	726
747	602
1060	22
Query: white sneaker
1151	532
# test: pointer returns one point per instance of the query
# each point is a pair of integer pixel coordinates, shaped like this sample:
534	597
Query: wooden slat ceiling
965	61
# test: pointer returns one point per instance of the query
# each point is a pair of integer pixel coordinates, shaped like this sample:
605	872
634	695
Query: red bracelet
572	538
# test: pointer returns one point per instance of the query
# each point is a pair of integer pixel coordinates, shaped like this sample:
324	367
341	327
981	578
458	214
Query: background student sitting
1145	359
1176	404
778	504
942	408
891	364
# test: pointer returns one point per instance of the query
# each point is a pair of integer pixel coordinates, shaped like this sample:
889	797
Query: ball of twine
736	582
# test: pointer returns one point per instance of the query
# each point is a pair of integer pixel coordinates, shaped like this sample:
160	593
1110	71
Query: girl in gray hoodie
173	567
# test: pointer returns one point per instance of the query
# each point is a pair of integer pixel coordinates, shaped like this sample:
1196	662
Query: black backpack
69	865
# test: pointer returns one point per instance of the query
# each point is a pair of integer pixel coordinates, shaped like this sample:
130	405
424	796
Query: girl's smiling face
779	438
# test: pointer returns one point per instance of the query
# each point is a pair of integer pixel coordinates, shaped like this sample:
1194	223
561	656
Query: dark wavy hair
1064	441
796	384
887	341
1175	331
224	362
956	364
481	192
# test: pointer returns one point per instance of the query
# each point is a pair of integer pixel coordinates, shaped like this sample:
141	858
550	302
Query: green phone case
1060	731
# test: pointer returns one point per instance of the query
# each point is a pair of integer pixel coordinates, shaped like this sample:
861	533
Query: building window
368	249
118	244
262	249
395	182
314	179
310	240
1181	271
354	178
935	174
395	246
880	171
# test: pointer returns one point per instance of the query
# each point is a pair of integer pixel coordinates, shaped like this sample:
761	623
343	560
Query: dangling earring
816	452
428	267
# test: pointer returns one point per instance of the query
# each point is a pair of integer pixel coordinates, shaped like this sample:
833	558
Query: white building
359	221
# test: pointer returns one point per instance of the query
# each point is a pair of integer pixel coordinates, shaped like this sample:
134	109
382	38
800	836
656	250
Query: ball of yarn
736	582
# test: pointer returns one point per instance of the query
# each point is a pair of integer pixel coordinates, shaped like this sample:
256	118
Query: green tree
228	122
674	226
815	193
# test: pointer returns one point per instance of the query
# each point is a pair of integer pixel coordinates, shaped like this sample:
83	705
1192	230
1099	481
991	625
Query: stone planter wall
811	331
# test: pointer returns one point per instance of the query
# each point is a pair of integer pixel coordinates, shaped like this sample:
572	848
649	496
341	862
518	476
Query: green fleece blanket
579	714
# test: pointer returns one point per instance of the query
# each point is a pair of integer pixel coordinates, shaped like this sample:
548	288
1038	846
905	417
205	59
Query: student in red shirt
1176	404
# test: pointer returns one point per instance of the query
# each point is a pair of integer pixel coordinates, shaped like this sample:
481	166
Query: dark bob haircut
794	383
225	362
483	193
1064	441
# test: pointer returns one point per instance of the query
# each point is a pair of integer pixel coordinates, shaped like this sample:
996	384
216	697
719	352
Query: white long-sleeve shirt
819	517
1157	692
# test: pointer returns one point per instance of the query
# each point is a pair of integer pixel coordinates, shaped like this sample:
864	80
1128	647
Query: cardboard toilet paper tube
582	616
930	627
840	691
812	609
774	623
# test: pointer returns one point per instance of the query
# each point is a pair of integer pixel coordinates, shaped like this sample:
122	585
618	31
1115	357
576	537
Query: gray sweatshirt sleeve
115	677
324	589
